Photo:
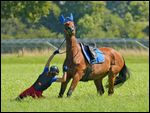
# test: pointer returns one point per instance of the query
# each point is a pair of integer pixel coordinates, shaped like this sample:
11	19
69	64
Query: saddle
92	54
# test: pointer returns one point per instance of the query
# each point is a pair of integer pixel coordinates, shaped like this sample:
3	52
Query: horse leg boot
73	84
63	88
99	86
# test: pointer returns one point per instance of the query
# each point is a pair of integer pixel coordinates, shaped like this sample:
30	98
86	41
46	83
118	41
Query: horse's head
69	24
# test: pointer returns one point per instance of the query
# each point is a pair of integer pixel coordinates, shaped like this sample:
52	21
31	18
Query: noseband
69	30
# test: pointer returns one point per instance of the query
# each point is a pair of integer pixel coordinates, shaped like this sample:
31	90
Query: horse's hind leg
114	70
99	86
111	80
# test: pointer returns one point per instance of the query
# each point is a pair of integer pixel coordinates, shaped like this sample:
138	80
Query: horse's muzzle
69	29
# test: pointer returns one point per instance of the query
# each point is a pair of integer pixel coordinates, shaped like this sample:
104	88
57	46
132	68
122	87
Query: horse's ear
62	19
71	17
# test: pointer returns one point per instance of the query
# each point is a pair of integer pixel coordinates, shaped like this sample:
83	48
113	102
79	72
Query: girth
88	71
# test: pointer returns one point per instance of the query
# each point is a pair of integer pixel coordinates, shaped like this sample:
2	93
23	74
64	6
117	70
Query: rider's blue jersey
44	80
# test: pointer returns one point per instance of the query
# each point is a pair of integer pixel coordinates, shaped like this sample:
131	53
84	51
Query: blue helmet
54	69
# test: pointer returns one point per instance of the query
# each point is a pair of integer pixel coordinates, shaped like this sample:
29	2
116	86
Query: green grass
18	73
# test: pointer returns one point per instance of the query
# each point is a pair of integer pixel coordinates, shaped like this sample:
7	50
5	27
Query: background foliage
93	19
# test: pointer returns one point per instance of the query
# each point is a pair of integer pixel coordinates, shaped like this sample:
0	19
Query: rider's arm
49	60
63	79
51	57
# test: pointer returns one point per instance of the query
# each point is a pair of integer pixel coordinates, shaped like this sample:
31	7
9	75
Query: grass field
19	72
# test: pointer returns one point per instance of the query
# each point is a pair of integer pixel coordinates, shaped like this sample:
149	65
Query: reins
60	47
56	47
61	44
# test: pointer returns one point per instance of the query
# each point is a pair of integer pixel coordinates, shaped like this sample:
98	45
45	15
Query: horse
114	65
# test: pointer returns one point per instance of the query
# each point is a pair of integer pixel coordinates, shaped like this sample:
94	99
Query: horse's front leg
99	86
74	83
63	87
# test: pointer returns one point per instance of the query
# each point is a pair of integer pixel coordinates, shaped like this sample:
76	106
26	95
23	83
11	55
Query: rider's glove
56	52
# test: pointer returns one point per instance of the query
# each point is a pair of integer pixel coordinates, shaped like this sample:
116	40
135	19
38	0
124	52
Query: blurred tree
89	24
139	10
128	18
14	28
28	11
112	26
101	23
77	8
94	19
118	7
132	28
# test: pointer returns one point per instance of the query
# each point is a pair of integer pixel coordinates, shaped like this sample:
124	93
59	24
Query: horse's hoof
68	96
69	93
101	94
60	96
110	94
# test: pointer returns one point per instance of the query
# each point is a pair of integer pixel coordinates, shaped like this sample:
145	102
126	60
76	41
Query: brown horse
114	64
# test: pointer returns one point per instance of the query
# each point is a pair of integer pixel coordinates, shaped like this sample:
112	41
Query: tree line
93	19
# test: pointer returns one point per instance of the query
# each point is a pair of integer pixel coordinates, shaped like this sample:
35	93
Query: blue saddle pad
99	56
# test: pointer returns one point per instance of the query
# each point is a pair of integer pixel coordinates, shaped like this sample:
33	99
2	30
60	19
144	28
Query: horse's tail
124	74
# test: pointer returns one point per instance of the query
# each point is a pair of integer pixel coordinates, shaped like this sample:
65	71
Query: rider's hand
65	69
56	52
